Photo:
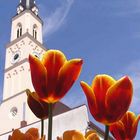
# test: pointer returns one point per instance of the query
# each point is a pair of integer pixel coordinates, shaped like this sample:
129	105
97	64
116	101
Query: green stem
42	128
106	132
50	121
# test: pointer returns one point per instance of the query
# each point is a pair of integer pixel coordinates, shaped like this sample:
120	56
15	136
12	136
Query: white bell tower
26	38
27	21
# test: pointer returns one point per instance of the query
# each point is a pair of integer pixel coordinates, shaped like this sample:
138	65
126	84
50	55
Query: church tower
26	38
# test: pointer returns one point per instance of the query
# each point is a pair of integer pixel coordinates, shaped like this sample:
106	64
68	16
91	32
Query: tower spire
27	5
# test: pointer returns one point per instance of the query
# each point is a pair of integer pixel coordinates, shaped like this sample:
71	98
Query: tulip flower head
31	134
108	99
76	135
126	128
54	75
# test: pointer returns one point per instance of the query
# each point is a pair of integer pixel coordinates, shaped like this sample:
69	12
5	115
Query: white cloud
56	19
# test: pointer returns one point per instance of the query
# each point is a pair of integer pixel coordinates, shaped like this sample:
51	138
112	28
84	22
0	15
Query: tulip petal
93	136
67	135
78	136
34	133
127	121
17	135
38	75
135	126
130	122
53	60
90	98
28	136
126	128
119	98
118	131
67	76
89	132
39	108
100	85
73	135
31	134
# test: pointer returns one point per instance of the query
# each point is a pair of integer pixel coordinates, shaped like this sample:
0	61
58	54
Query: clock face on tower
36	54
15	57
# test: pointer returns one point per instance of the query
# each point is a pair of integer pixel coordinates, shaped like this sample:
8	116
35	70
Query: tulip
76	135
38	107
108	99
31	134
52	77
126	128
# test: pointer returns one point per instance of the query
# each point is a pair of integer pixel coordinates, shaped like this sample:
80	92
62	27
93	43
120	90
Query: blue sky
105	34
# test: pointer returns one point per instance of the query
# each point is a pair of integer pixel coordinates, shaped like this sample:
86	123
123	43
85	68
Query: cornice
22	37
5	100
28	11
16	65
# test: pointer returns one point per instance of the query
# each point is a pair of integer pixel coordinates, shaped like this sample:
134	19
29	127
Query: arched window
19	30
35	31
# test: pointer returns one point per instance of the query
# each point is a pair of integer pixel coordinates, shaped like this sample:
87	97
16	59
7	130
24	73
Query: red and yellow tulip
54	75
107	98
126	128
31	134
76	135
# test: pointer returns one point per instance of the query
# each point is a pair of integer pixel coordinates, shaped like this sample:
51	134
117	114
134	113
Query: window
13	112
19	30
35	31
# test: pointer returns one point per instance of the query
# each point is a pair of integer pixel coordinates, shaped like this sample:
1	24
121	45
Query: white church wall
12	120
76	119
